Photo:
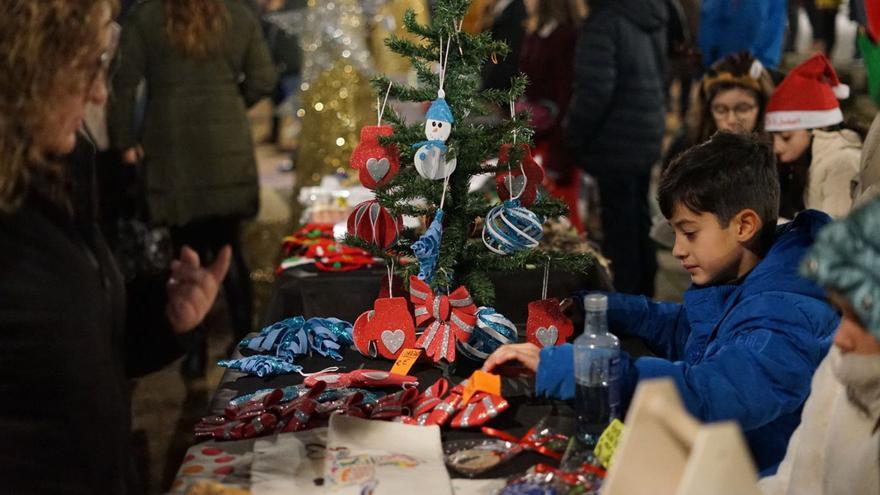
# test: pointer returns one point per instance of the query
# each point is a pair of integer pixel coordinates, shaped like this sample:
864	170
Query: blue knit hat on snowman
440	111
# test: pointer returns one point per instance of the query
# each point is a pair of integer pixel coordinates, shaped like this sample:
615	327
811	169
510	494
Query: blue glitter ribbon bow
427	248
283	342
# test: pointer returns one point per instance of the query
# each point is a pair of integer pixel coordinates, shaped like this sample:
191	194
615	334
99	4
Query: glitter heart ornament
376	164
546	324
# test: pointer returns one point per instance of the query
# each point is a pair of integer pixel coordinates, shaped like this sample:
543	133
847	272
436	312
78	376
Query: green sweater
198	150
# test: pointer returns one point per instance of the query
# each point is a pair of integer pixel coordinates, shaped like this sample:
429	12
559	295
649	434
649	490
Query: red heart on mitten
547	325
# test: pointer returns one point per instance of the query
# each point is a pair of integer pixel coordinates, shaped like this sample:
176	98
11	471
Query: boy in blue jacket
751	332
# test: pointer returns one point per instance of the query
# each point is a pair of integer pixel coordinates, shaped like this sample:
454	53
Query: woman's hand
528	354
192	288
132	155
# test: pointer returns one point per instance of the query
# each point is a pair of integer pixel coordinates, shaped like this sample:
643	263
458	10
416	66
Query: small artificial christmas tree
434	176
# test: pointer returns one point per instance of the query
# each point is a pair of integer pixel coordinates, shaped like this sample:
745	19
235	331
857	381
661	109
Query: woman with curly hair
205	62
65	334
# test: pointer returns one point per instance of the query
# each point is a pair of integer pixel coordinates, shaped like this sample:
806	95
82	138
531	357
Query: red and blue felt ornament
452	318
372	223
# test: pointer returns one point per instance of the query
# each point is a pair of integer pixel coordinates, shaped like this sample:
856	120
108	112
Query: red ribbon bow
528	441
452	318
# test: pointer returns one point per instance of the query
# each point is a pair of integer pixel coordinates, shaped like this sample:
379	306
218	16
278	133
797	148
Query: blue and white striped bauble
491	332
510	228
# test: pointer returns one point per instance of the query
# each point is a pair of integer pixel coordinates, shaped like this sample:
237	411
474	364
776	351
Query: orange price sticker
481	381
405	361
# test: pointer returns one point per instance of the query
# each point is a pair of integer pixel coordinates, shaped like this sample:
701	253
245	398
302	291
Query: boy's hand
193	288
528	355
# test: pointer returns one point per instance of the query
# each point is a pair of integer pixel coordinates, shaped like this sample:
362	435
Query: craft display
452	318
372	223
491	332
518	182
315	244
386	330
481	408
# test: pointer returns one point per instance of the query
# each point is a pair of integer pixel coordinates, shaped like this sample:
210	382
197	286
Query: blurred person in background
818	154
823	18
205	62
615	126
547	58
506	21
71	332
733	26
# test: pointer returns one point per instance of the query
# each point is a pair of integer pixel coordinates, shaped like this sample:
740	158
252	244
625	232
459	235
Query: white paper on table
289	463
461	486
367	457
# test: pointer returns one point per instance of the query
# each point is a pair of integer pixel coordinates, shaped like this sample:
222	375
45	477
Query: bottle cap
596	301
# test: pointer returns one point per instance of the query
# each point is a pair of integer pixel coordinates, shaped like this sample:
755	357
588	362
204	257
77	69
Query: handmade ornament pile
314	243
310	405
283	342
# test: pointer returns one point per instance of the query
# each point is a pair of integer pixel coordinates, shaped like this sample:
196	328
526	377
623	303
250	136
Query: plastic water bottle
596	372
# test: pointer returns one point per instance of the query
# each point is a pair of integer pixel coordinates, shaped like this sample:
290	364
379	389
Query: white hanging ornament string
445	187
443	61
521	168
457	39
546	279
380	108
390	277
325	370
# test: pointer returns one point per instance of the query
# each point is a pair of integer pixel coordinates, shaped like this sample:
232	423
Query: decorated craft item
481	408
476	456
430	398
519	182
491	332
537	439
443	412
452	318
283	342
260	365
430	156
510	228
376	164
395	405
372	223
386	330
308	235
547	325
427	248
362	378
336	257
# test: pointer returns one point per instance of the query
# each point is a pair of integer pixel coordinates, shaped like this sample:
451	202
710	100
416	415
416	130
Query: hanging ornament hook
546	279
380	109
457	28
444	60
390	278
521	168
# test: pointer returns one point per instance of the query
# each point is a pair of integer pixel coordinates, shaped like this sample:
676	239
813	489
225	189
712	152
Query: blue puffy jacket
742	351
731	26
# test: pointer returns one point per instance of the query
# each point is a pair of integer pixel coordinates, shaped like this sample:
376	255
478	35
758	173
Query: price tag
405	361
481	381
607	443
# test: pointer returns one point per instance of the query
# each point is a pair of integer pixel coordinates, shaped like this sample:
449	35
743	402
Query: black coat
617	114
64	338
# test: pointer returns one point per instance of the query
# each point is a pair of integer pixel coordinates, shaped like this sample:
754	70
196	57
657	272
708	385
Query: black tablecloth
346	295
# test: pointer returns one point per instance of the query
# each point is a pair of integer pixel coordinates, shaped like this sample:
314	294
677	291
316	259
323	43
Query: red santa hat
807	98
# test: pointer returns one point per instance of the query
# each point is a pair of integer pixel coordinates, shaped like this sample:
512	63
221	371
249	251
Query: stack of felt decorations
314	244
447	268
275	350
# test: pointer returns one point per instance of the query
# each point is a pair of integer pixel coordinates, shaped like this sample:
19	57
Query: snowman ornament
430	158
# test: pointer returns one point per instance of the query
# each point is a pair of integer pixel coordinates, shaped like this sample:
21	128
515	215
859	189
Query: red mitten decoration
481	408
371	222
386	330
547	325
510	183
453	318
376	164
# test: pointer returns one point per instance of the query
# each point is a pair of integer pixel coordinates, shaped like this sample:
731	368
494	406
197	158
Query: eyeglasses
740	111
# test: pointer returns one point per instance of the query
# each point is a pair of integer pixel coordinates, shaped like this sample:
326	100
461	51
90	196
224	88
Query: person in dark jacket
68	336
751	331
615	126
508	25
205	62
